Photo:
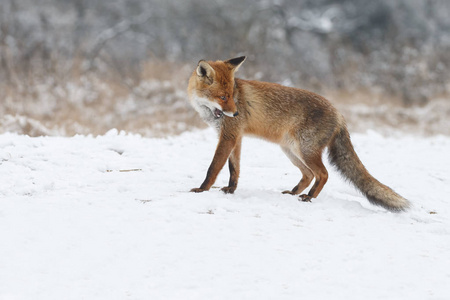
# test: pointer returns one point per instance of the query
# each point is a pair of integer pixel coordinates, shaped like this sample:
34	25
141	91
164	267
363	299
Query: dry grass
155	104
151	105
365	110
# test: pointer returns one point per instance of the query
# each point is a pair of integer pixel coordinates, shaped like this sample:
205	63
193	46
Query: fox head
212	85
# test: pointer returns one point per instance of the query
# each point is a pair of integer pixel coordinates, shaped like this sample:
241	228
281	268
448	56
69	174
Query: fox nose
235	114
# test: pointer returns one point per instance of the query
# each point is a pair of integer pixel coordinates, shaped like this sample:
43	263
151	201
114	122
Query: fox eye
223	98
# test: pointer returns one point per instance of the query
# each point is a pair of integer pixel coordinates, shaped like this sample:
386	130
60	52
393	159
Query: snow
110	217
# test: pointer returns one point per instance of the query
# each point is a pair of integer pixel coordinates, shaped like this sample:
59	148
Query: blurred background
86	66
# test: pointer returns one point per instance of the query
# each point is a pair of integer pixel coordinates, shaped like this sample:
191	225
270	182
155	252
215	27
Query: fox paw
305	198
228	189
197	190
288	192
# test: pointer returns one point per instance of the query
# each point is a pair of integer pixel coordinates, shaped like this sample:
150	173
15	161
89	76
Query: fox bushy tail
344	157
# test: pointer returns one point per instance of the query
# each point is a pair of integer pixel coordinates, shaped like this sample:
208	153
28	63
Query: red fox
301	122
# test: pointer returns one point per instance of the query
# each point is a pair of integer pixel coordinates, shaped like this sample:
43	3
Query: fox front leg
224	148
234	166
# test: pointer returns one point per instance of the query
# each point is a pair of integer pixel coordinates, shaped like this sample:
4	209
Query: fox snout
230	112
228	106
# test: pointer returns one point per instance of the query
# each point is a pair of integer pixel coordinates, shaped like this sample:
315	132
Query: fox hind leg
315	164
306	172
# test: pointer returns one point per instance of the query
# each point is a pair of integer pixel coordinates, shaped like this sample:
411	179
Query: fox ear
205	71
235	63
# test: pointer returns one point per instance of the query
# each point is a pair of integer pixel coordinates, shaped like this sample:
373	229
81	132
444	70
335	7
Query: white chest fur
205	109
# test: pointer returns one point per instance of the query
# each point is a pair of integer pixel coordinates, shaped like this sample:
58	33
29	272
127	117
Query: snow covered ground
110	217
